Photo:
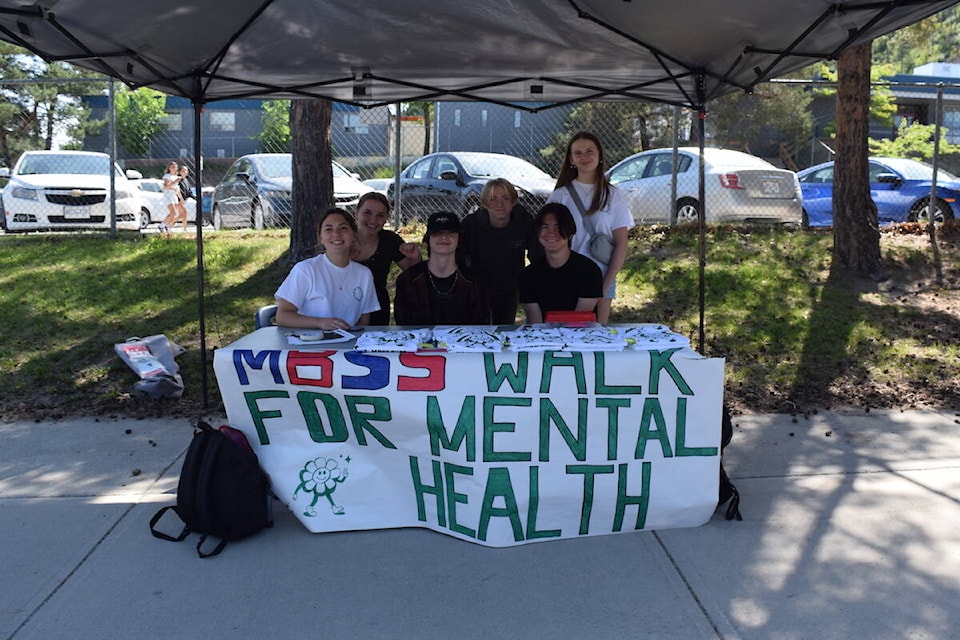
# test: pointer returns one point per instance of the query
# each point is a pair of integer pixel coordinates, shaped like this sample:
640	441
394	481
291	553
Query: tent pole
701	222
397	162
198	162
931	221
112	126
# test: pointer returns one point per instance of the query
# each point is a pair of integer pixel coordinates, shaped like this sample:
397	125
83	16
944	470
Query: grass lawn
795	336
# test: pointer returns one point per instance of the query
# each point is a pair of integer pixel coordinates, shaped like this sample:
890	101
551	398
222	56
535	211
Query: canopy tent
552	51
547	52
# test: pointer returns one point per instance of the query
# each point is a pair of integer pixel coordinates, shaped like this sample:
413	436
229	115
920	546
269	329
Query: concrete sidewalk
851	529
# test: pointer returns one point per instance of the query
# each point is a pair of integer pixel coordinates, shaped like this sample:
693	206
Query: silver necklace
339	272
433	283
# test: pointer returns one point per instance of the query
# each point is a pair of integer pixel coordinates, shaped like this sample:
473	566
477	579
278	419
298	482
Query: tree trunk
856	238
312	174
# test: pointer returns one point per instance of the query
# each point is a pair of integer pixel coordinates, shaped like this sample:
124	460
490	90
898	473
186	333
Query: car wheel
217	219
921	212
805	220
256	216
688	210
145	218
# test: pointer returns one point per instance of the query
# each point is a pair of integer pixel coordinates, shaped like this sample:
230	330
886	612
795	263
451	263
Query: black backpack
728	492
222	492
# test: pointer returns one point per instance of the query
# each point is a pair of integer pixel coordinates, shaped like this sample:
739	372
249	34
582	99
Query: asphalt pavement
851	529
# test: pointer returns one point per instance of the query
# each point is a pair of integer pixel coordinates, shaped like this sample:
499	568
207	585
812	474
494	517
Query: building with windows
494	128
229	129
916	97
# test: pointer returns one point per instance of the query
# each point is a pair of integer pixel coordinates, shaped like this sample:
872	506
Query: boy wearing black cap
435	292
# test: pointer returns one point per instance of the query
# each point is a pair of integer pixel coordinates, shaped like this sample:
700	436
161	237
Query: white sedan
738	187
67	190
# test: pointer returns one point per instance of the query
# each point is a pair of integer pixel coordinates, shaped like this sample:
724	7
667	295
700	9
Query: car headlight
25	193
277	195
123	195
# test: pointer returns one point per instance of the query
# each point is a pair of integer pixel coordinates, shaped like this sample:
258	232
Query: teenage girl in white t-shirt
583	168
329	291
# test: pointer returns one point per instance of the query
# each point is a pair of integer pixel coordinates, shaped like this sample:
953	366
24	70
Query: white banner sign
495	448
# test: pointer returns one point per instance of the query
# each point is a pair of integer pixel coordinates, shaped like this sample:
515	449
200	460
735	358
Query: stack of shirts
533	337
593	338
645	337
400	340
467	339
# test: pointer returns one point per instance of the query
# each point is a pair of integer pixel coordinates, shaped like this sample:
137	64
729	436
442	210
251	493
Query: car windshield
282	167
506	166
40	163
913	170
275	166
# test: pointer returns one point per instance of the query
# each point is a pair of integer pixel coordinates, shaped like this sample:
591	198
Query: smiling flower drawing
321	477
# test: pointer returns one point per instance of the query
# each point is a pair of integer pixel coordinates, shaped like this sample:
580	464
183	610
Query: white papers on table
533	337
467	339
318	336
592	338
398	340
644	337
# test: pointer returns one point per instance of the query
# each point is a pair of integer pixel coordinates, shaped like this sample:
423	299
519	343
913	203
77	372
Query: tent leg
701	222
198	159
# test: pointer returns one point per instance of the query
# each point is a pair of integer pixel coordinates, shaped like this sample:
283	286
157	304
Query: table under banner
498	447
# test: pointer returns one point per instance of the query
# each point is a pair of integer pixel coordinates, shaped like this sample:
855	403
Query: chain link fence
424	157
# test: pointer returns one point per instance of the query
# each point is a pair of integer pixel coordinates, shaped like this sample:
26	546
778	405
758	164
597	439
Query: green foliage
34	113
138	117
913	141
740	120
275	136
882	106
931	40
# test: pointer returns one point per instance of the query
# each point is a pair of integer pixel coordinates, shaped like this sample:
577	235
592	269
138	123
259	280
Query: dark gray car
256	191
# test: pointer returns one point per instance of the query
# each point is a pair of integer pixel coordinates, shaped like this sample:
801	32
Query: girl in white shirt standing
583	173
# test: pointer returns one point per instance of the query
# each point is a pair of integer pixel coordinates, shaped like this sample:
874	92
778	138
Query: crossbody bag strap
587	220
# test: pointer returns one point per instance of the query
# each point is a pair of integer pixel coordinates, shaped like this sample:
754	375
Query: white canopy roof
507	51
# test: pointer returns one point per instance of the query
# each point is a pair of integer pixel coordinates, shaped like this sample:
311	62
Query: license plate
770	187
76	213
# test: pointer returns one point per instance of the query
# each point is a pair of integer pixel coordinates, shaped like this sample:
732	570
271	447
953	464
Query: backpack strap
163	536
216	550
728	492
730	495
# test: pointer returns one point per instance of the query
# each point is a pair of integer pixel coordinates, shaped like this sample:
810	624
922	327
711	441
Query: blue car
899	187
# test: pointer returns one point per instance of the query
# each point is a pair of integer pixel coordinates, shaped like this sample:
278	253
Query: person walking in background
379	248
599	209
435	291
171	195
561	279
330	290
184	188
494	242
